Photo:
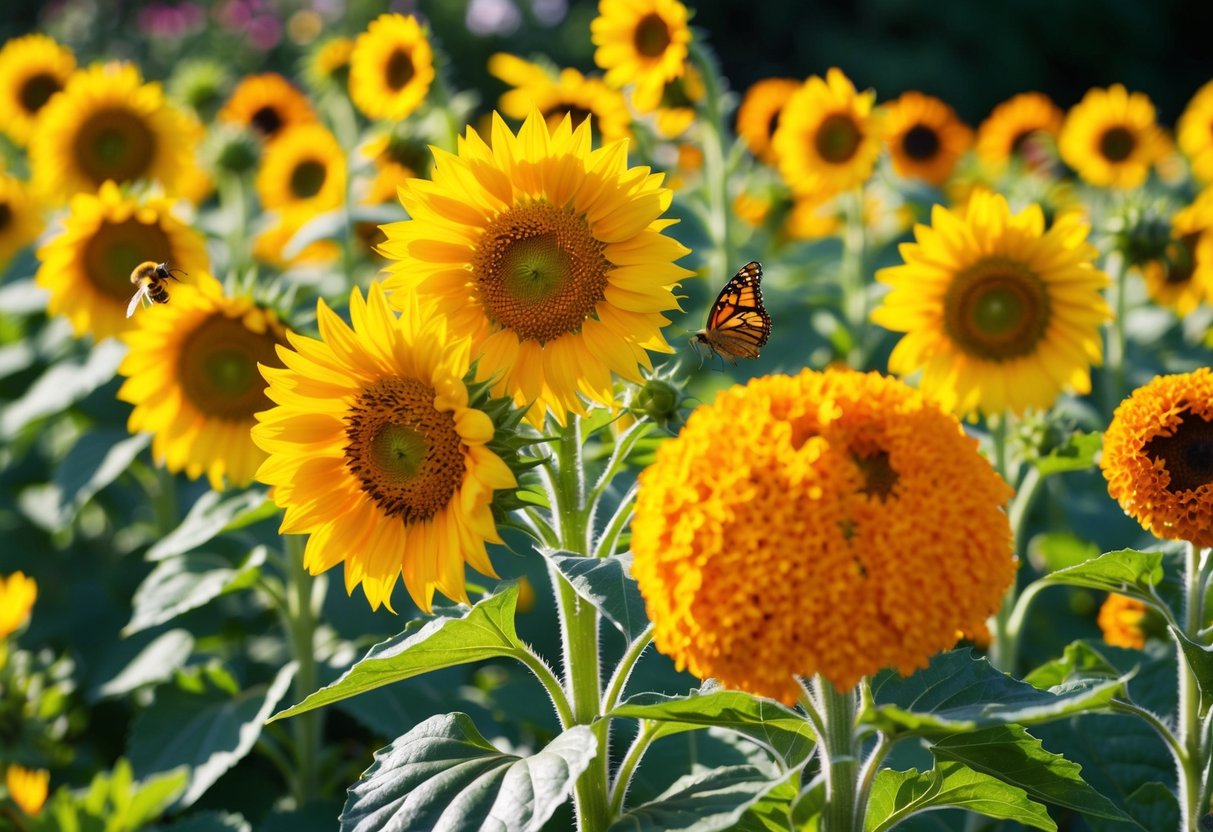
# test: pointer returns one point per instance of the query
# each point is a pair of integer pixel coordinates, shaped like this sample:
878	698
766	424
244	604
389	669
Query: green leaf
444	776
896	795
96	460
1009	753
208	729
959	693
608	585
156	662
211	515
1079	661
113	802
701	802
61	386
485	631
1152	806
1076	454
1060	550
1126	571
773	813
808	806
781	730
1200	659
180	584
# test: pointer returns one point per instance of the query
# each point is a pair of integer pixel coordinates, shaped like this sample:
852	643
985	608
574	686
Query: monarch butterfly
738	325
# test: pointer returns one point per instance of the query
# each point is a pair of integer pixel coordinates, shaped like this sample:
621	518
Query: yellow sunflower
395	159
27	788
268	104
192	376
1195	132
87	267
304	166
1111	137
271	244
758	116
328	65
828	139
1158	457
1184	278
672	103
1120	619
20	217
32	69
999	314
391	68
17	596
109	125
1006	132
548	254
641	42
376	452
570	93
925	137
804	524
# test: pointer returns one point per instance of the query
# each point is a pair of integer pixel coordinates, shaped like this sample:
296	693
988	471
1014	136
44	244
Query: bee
151	278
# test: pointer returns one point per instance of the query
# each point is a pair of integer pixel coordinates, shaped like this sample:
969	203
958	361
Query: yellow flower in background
32	69
391	68
395	159
1184	279
811	524
87	267
758	116
20	217
569	93
999	314
548	254
1194	132
109	125
1158	457
27	788
273	245
376	454
192	376
1111	137
1120	619
267	104
827	140
673	103
303	166
641	42
925	137
328	64
1008	130
17	596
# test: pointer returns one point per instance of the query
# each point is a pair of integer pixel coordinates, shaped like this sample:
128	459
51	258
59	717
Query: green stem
301	623
1164	733
854	279
1115	369
620	677
1189	723
165	502
840	757
1008	629
716	179
550	683
623	778
614	527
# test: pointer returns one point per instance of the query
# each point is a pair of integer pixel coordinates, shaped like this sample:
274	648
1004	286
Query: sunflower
108	125
20	218
87	267
268	104
17	596
641	42
569	93
673	103
1008	130
1000	314
803	524
395	159
1158	456
32	69
391	68
304	166
375	451
27	788
1195	132
1120	619
191	374
328	64
827	140
1183	278
271	245
1111	138
925	137
548	254
758	116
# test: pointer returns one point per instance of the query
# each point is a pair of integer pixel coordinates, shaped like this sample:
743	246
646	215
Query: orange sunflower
925	137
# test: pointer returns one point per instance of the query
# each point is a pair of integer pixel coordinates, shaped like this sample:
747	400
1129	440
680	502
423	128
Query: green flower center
406	453
1116	144
267	120
218	370
651	36
114	144
997	309
307	178
37	90
837	138
114	249
1187	454
539	271
399	70
920	143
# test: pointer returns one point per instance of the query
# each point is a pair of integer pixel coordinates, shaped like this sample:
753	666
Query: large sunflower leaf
1077	453
212	514
62	385
897	795
453	637
703	802
184	583
607	584
1126	571
96	460
444	776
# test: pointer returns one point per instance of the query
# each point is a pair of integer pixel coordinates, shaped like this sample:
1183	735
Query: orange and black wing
738	325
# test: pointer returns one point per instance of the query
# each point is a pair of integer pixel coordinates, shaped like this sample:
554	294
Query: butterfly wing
738	325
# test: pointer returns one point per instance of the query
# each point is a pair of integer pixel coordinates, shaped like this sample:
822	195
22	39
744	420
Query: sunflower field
494	416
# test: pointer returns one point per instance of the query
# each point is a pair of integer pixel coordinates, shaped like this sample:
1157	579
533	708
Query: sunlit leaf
702	802
897	795
180	584
607	584
207	518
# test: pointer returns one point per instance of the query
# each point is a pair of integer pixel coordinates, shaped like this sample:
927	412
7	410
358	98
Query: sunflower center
837	138
6	216
555	115
1181	259
399	70
1019	143
920	142
114	144
37	90
114	249
1187	454
652	35
996	309
307	178
539	271
218	368
1116	144
406	453
878	476
267	120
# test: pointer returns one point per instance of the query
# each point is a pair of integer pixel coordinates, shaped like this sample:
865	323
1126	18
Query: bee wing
130	307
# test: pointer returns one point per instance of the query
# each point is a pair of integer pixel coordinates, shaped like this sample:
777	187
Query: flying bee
151	278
